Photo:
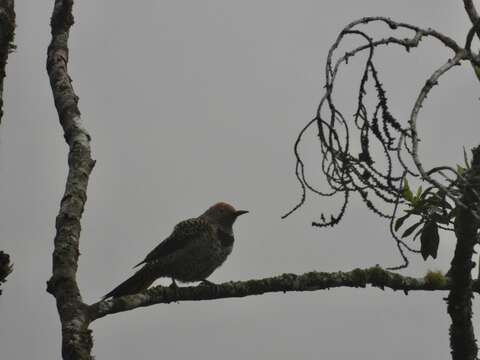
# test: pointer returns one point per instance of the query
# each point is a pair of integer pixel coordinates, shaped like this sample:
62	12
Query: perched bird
191	253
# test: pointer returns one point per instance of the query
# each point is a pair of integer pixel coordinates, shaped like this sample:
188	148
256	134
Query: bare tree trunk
462	337
76	337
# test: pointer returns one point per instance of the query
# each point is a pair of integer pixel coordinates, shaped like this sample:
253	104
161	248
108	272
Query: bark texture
462	337
7	32
312	281
76	337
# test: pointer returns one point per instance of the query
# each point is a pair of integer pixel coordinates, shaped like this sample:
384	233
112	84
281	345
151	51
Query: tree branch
429	84
462	337
472	14
76	337
346	171
358	278
7	31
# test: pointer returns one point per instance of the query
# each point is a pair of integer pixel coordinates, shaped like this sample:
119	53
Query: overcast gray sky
193	102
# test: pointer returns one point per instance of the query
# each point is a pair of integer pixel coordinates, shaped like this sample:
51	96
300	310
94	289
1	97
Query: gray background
194	102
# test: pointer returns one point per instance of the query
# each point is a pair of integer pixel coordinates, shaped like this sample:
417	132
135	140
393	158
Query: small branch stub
5	268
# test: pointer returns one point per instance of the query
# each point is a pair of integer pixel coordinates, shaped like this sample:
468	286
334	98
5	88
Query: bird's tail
136	283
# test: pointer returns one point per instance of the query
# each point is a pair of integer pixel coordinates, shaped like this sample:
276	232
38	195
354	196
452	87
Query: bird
192	252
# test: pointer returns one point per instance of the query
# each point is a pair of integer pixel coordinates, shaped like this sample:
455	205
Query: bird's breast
226	239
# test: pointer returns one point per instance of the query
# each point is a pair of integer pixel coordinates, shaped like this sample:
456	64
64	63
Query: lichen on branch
312	281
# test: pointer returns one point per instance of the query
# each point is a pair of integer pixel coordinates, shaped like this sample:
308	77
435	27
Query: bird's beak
240	212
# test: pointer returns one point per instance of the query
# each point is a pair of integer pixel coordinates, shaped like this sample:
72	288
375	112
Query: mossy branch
311	281
462	336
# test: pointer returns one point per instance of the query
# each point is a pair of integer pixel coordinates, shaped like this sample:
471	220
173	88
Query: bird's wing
182	234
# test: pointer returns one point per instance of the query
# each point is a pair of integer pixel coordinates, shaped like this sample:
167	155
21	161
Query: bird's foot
205	282
173	285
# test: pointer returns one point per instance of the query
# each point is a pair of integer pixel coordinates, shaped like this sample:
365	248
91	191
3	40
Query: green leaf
400	221
465	158
411	229
419	192
429	240
453	213
407	193
460	170
417	234
414	211
477	70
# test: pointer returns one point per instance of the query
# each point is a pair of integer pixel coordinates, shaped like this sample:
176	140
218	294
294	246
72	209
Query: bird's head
223	214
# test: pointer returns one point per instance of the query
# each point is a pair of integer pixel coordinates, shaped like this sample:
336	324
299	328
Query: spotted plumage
192	252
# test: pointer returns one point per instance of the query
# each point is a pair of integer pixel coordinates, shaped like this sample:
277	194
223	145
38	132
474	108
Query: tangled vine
382	178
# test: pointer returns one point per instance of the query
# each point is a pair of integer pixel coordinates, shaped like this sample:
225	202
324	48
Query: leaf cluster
432	210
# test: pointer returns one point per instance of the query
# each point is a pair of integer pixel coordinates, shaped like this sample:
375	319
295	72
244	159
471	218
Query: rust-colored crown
224	206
